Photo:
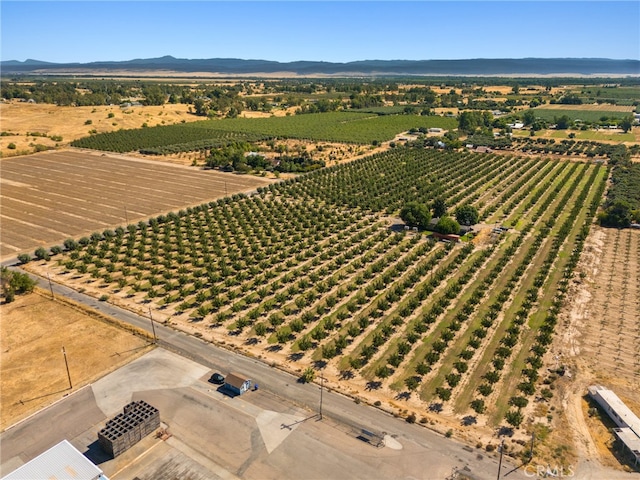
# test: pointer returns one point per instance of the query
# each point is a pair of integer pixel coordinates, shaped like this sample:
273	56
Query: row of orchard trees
306	267
348	127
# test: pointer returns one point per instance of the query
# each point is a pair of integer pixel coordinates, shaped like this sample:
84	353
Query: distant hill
234	66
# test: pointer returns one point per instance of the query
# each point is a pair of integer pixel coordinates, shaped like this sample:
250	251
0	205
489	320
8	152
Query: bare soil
34	329
600	336
77	193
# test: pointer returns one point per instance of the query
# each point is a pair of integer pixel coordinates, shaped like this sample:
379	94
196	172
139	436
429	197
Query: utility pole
50	286
64	353
153	328
533	437
500	461
321	388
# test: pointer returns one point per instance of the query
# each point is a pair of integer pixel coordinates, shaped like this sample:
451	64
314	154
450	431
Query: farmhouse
237	383
629	424
60	461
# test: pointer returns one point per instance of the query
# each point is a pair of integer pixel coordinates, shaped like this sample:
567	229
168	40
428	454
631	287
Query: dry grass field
33	331
71	123
51	196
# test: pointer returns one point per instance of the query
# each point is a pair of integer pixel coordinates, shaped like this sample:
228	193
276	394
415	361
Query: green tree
412	382
563	122
529	117
443	394
15	283
260	329
41	253
616	215
305	343
308	375
468	122
71	244
439	207
626	124
383	371
201	107
478	406
153	95
472	120
519	402
283	334
447	225
514	418
467	215
24	258
415	214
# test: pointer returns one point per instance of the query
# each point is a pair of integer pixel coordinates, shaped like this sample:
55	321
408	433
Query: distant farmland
348	127
587	113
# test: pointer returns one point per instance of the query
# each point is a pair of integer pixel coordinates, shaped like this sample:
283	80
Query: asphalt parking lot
213	435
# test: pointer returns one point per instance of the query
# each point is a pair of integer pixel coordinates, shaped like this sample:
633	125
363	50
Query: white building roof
61	462
622	411
630	439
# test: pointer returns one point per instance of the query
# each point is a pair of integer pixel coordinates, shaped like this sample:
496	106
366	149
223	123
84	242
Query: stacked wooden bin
137	420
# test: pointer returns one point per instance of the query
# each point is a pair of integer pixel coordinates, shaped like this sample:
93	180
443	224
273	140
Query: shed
483	149
237	383
450	237
62	461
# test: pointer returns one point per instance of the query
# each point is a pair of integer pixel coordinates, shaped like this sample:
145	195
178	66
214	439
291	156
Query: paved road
335	406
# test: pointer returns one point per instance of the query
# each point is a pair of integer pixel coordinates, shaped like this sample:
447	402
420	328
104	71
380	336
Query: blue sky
334	31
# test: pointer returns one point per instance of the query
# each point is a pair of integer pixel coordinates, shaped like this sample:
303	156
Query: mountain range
233	66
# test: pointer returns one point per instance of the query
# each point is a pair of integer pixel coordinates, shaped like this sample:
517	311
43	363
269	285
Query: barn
237	383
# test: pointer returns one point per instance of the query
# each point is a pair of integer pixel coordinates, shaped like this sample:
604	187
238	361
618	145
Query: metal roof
630	439
61	462
622	411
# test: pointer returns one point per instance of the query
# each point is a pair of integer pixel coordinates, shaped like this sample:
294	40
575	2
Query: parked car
217	378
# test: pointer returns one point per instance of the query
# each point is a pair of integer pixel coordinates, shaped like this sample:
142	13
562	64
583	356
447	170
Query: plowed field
48	197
